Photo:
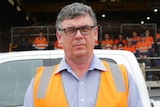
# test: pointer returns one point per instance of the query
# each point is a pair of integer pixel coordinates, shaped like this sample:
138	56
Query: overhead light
18	8
103	15
27	18
148	17
11	2
142	22
155	10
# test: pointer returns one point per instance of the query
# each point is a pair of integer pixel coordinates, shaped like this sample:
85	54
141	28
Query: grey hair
74	10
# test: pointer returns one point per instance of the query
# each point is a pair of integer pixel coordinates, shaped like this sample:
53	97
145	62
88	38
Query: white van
18	68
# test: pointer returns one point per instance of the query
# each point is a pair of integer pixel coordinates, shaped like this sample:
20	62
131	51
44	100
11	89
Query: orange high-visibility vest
143	46
113	87
40	43
107	43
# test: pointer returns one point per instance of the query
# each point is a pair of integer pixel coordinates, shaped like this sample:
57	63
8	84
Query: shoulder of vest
41	69
42	77
119	75
112	64
51	68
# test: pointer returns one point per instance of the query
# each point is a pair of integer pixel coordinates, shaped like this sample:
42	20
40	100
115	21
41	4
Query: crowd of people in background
141	45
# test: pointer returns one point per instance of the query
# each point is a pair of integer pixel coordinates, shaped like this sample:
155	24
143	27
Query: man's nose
78	34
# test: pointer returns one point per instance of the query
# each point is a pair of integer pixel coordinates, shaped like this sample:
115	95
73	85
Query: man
150	39
107	43
120	42
135	38
81	79
40	42
143	50
130	47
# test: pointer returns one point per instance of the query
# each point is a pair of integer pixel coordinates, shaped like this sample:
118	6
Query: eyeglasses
71	31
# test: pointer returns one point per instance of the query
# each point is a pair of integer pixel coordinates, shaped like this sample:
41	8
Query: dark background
44	12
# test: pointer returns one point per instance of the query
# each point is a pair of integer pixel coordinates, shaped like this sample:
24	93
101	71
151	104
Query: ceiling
44	6
43	11
114	8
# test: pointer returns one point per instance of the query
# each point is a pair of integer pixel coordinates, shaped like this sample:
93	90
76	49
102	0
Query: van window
15	77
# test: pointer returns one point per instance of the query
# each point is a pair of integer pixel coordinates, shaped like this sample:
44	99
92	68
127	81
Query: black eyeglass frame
76	29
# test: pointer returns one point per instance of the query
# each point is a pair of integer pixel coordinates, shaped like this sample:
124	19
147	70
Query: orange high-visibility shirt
135	39
130	48
120	44
107	43
40	43
143	46
150	38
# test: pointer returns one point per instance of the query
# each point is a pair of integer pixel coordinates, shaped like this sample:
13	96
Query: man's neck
80	66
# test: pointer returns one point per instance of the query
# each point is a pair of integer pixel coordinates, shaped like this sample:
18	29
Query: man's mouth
78	45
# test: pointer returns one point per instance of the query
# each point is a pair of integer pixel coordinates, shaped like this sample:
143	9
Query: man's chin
80	53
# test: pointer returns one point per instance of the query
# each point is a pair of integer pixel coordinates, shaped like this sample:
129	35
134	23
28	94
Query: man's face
40	34
142	38
134	34
78	45
106	36
120	37
147	33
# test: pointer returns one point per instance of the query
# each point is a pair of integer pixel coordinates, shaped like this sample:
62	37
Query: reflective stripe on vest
47	72
44	80
117	77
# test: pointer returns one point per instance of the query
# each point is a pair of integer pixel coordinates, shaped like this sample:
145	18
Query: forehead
106	34
134	32
77	21
40	33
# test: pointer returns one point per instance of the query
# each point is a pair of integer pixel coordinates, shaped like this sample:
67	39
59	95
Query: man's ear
58	37
96	33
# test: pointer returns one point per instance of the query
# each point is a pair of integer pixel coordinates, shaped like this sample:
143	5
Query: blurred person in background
149	38
135	38
120	42
130	47
143	50
40	42
107	42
